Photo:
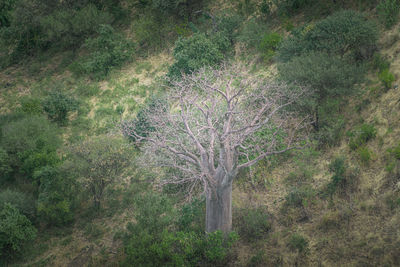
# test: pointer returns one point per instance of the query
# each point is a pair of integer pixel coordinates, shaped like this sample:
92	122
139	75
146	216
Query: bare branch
218	121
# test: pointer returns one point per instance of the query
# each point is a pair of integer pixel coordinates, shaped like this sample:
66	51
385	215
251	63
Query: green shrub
330	129
175	7
150	32
31	106
216	246
245	7
345	33
70	27
252	33
57	105
31	143
298	243
289	7
299	197
55	195
15	231
192	53
380	62
40	25
225	31
228	24
386	78
388	12
396	151
265	7
24	203
253	223
364	154
268	45
338	167
6	8
192	216
100	161
328	76
39	159
343	177
107	51
178	249
5	168
361	136
141	125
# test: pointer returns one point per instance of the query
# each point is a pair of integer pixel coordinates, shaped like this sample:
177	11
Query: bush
159	237
150	31
343	178
70	27
268	45
5	168
57	105
192	53
338	167
192	216
107	51
388	12
31	106
396	151
6	8
380	62
178	249
15	231
176	7
361	136
345	33
31	143
298	242
40	25
299	197
290	7
386	78
328	76
140	124
55	195
330	129
252	33
253	223
24	203
228	25
100	161
364	154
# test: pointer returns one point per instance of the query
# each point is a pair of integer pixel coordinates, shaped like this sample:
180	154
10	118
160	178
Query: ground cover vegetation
197	133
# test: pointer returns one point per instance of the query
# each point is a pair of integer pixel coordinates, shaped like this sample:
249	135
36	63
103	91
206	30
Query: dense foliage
15	231
346	34
107	51
194	52
31	143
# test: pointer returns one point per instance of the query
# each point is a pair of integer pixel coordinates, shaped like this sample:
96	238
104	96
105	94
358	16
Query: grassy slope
364	228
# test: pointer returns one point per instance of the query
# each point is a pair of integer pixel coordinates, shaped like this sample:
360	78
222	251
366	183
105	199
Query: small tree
100	161
215	123
15	231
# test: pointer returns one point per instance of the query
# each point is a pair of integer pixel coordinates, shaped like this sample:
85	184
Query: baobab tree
215	122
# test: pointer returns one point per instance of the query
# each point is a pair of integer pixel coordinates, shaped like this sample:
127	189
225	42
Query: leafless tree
215	122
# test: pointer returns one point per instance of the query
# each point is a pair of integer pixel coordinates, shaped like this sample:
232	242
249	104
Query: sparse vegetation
362	135
388	12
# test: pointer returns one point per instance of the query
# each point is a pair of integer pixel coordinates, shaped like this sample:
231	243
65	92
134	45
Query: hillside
74	184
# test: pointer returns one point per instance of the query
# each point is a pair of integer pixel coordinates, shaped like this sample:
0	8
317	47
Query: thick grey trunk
219	210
